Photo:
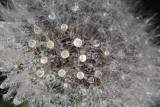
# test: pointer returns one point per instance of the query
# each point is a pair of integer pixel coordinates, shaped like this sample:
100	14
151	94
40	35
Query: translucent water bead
32	43
3	85
96	43
16	101
98	74
77	42
64	27
50	44
37	30
106	53
65	54
44	60
52	16
90	80
75	8
65	85
82	58
80	75
61	73
50	78
40	73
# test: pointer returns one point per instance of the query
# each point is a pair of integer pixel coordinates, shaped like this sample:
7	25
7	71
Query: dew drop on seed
75	8
50	44
37	30
64	27
65	54
40	73
90	80
65	85
106	53
77	42
52	16
96	43
44	60
16	101
61	73
80	75
98	74
32	43
50	78
82	58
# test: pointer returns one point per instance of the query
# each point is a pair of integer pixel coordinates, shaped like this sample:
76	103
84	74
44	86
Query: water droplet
50	44
64	27
16	101
50	78
40	73
32	43
90	80
65	85
77	42
3	85
98	74
37	30
82	58
75	8
52	16
61	72
96	43
44	60
65	54
80	75
106	53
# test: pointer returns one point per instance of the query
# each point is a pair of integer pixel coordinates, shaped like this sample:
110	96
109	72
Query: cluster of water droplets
82	53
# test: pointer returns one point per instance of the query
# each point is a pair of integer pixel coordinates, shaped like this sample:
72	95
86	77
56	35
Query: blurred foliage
10	104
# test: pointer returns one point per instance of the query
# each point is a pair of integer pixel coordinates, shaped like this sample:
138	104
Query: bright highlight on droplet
106	53
50	44
75	7
32	43
65	85
82	58
65	54
44	60
80	75
77	42
40	73
61	73
52	16
64	27
16	66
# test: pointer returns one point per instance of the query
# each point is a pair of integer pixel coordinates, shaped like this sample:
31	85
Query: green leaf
24	104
